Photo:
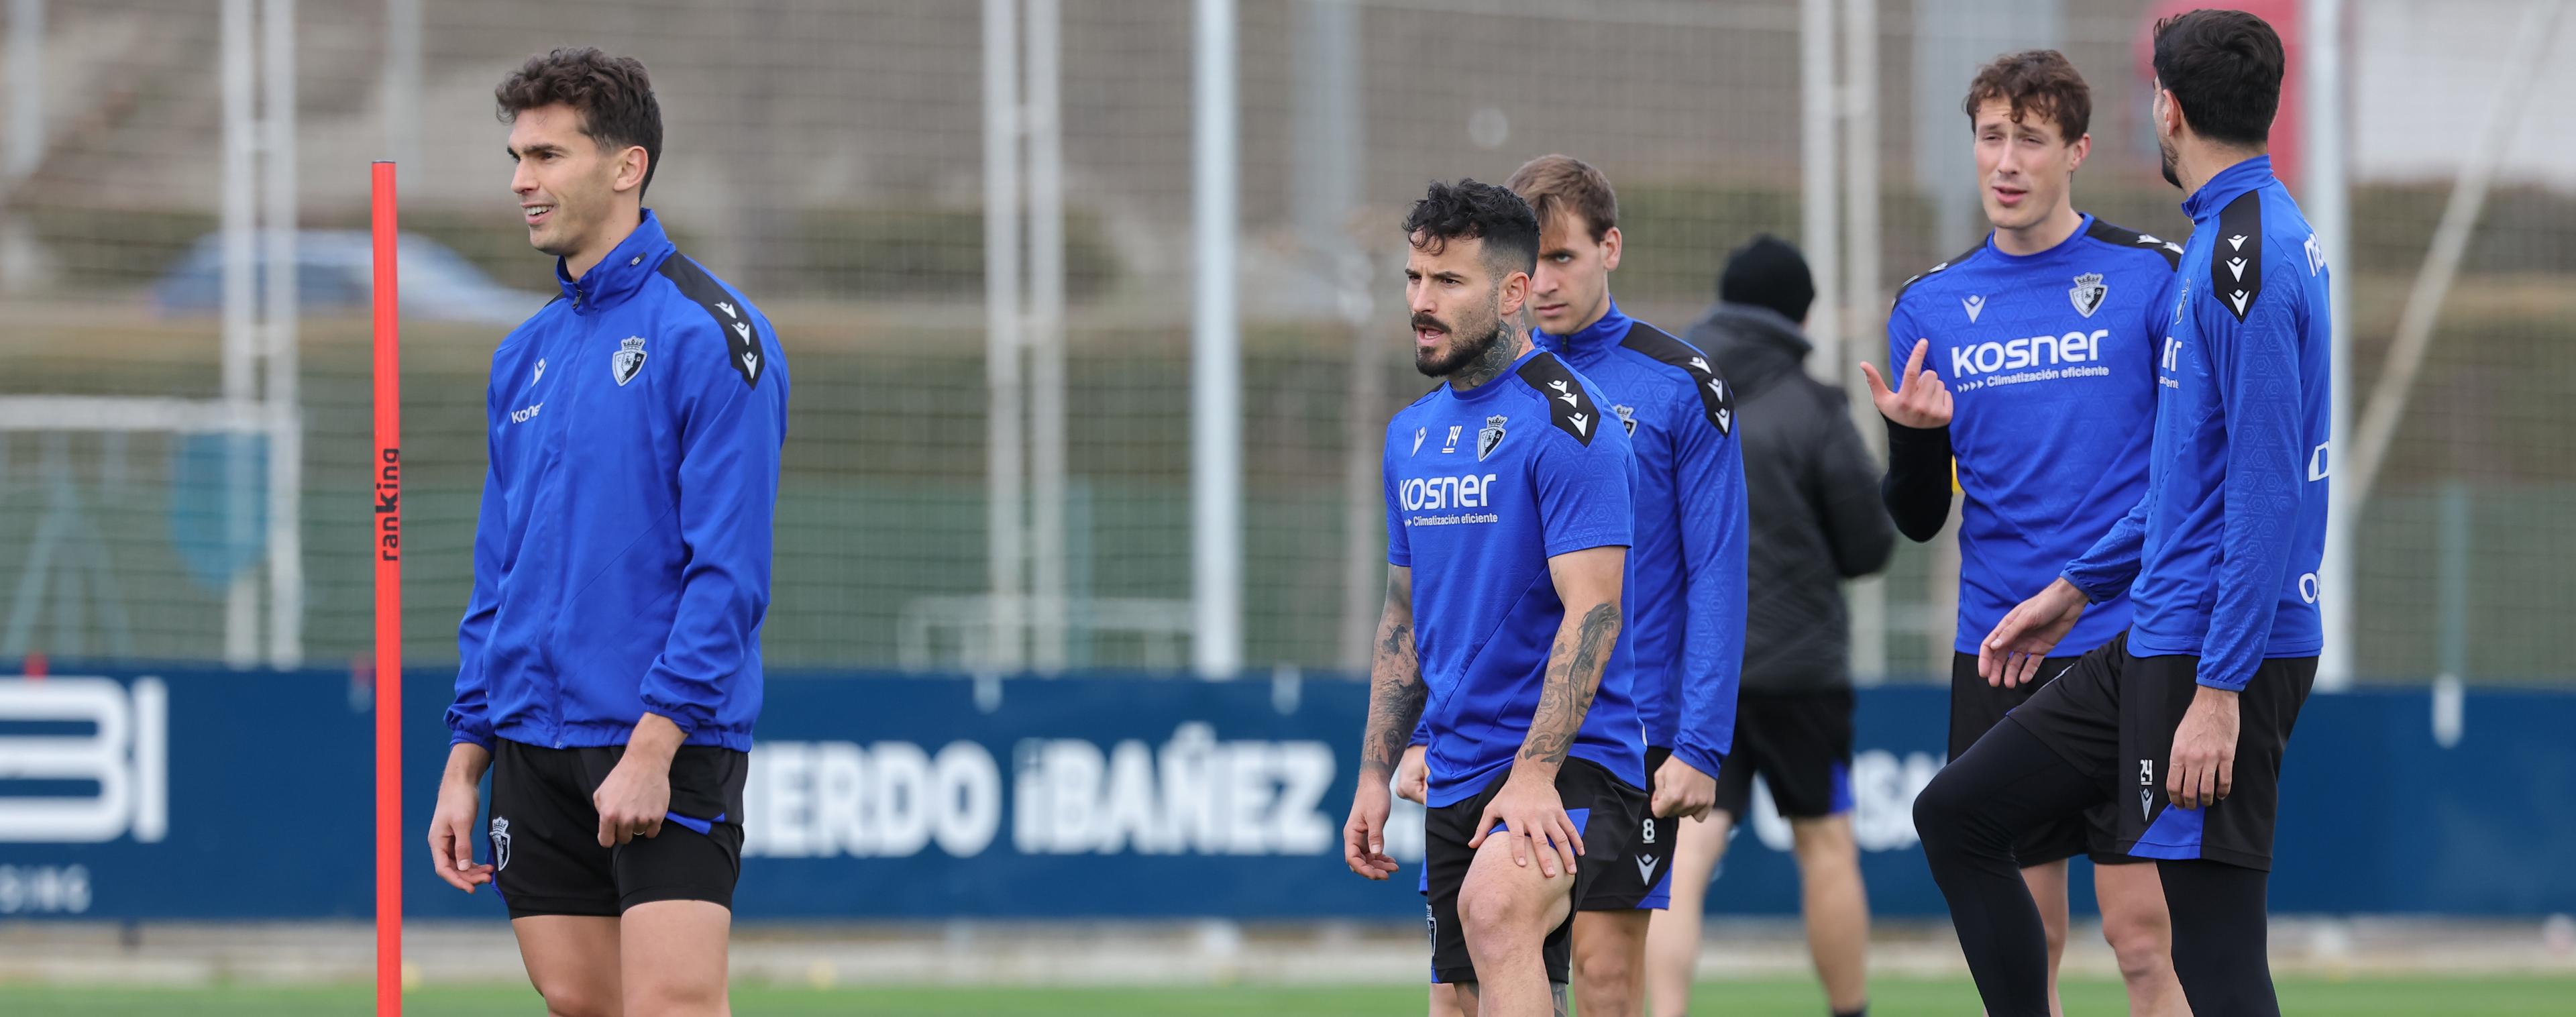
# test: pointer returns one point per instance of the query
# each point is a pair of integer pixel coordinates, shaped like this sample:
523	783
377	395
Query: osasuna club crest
1489	437
628	361
2087	293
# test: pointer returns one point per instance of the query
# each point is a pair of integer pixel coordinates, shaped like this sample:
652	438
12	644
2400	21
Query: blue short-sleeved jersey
2050	360
1482	488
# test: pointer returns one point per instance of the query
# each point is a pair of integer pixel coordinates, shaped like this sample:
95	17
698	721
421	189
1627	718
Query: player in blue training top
1685	585
2031	361
609	671
1509	514
2180	722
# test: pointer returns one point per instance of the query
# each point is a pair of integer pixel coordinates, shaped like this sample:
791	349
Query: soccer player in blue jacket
1509	516
1685	586
2181	721
2030	360
610	653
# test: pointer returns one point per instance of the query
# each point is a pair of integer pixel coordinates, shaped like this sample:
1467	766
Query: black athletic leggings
2008	783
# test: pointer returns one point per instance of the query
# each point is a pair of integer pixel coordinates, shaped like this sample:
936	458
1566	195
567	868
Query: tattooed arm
1588	583
1528	807
1396	691
1396	695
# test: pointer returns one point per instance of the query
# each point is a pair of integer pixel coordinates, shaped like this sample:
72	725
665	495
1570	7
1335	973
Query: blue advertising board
180	794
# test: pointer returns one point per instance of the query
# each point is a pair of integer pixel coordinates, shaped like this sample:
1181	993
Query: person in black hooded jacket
1812	491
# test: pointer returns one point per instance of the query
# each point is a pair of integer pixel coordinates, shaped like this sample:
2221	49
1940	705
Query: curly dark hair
2224	69
1469	208
613	94
2037	81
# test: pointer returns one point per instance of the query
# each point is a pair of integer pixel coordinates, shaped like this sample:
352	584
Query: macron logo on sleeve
742	339
1570	408
2236	268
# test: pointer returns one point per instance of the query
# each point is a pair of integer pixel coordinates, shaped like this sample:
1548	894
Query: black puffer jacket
1812	492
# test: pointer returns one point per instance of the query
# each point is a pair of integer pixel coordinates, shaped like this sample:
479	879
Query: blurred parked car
335	271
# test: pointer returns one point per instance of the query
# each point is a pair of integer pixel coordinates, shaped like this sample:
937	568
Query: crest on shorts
1489	437
628	361
500	843
1627	418
2087	293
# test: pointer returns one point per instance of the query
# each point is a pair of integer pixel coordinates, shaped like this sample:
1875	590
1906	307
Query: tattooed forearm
1573	677
1396	695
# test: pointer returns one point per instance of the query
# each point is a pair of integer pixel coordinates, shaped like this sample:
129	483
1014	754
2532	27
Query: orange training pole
388	555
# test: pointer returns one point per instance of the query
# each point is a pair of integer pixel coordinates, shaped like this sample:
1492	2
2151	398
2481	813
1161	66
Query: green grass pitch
2510	996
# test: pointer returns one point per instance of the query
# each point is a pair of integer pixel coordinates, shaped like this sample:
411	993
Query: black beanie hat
1768	272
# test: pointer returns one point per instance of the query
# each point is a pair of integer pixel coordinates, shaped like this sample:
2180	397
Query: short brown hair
1552	182
613	94
2035	81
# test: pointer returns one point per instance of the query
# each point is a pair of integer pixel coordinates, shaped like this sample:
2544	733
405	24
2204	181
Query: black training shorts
545	832
2112	716
1604	809
1801	744
1640	881
1976	707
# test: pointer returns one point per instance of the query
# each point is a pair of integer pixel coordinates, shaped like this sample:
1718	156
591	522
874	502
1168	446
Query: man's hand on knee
1506	905
1534	822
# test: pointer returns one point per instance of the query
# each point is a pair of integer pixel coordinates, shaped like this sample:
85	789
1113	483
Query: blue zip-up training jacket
1685	588
621	558
2050	359
2220	558
1482	488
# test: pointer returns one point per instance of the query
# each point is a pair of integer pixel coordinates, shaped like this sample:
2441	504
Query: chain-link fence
830	157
